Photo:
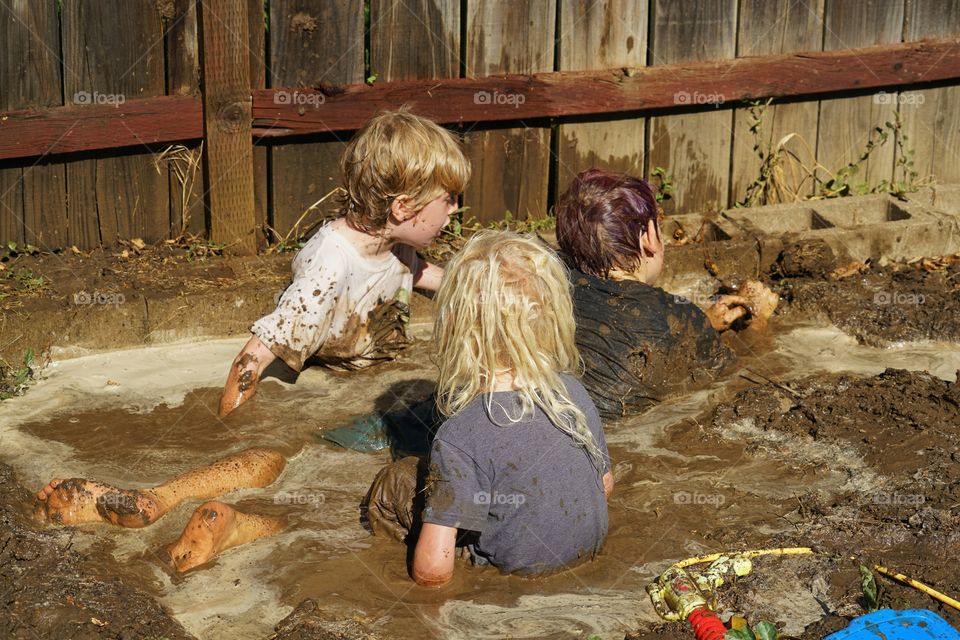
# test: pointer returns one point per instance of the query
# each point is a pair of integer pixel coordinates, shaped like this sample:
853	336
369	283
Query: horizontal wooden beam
284	112
131	123
287	112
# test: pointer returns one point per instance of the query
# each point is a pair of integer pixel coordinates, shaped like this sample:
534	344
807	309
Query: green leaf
868	584
740	634
766	630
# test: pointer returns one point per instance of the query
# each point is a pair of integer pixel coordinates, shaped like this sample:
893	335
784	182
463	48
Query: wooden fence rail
554	85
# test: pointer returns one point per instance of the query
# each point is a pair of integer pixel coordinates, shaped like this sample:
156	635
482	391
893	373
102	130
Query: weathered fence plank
846	124
769	28
929	116
312	42
601	35
183	79
693	147
34	197
510	166
113	50
414	39
11	206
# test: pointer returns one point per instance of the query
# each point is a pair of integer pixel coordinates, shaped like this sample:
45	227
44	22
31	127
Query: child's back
521	461
525	486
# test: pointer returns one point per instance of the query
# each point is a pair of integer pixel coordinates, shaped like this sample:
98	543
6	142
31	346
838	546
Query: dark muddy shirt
640	343
532	494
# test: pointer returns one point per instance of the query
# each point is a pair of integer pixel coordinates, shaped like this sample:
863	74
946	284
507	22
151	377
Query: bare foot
214	528
76	501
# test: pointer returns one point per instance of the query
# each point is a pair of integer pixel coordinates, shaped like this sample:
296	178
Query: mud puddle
686	485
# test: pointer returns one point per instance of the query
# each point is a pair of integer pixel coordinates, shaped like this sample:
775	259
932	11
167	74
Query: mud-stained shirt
640	344
345	309
530	491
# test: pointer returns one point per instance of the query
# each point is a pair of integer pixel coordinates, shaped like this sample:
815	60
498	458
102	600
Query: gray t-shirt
529	490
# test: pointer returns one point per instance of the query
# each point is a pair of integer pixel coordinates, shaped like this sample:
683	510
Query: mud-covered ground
29	278
896	438
50	590
53	591
877	305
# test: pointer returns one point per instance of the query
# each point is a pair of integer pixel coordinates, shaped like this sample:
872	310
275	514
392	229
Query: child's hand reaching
244	376
763	302
754	302
727	310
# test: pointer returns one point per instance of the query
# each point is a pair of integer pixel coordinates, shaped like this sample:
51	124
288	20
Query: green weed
14	379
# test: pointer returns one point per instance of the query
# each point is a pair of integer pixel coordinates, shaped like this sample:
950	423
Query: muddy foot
76	501
216	527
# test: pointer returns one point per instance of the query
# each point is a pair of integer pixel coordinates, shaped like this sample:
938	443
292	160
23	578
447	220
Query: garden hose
681	595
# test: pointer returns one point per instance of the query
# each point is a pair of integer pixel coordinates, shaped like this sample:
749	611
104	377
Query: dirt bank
53	591
895	437
877	305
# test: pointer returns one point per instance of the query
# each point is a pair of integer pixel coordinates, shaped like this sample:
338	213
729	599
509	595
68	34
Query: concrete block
882	226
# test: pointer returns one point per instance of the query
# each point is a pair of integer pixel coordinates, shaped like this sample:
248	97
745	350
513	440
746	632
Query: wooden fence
92	91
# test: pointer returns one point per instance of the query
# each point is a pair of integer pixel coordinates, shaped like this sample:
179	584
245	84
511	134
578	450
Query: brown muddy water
137	417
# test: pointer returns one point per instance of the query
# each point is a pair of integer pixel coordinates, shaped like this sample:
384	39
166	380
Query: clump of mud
876	305
902	423
308	622
52	591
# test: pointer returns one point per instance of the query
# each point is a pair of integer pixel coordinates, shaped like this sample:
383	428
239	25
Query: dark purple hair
600	219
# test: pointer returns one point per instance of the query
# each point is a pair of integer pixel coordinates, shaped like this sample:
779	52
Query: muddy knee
389	504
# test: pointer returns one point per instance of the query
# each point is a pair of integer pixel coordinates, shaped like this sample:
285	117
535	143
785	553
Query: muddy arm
607	484
244	376
434	557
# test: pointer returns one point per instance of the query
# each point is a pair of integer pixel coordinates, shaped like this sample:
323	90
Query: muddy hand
727	310
241	383
763	301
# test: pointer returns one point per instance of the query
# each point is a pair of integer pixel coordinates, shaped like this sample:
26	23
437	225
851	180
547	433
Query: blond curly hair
398	153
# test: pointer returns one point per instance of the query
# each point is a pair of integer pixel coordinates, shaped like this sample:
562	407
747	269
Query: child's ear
650	240
400	208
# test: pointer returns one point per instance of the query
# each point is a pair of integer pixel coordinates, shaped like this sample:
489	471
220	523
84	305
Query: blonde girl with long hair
520	466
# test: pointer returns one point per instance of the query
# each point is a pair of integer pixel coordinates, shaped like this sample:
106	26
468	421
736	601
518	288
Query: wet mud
877	305
897	506
52	590
862	465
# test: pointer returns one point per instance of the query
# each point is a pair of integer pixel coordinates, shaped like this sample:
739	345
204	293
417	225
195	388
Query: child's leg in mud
244	376
76	500
394	502
216	527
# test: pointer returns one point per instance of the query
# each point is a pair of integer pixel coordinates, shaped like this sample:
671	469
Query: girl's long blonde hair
505	305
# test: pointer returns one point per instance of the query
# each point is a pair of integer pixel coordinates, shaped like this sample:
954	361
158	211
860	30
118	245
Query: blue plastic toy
909	624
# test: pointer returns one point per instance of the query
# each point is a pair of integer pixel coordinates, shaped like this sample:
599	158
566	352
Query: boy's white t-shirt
347	310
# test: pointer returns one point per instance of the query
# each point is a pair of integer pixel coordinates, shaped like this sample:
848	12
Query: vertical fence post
227	121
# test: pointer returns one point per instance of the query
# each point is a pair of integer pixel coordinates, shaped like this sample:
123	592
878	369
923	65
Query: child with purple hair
639	343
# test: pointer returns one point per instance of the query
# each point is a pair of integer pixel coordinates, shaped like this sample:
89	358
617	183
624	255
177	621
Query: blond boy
348	302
